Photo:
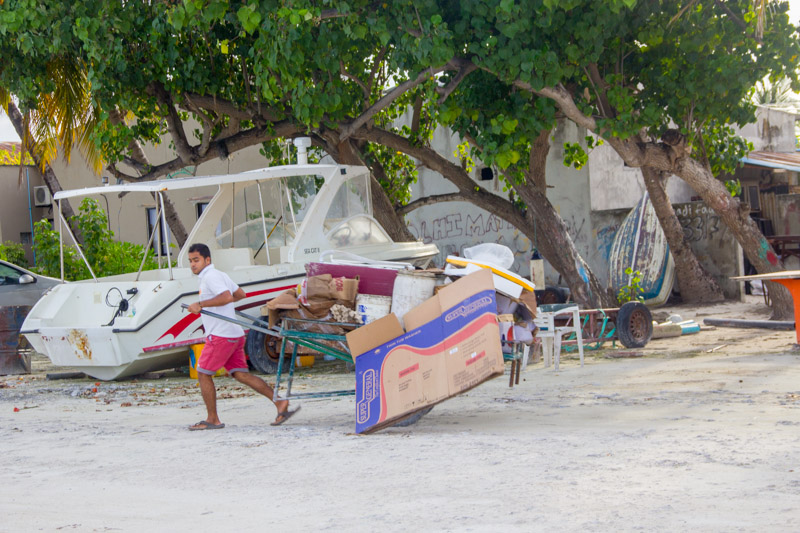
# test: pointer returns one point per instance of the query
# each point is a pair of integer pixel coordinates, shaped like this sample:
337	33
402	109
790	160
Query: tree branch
174	123
430	200
343	72
390	97
465	68
600	88
468	188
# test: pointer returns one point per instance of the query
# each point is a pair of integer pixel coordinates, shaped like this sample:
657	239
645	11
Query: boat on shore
262	227
640	244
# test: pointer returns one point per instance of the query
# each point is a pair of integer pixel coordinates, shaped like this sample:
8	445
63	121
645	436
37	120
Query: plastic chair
551	334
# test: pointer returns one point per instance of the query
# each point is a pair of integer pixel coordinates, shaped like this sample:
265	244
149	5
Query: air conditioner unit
41	196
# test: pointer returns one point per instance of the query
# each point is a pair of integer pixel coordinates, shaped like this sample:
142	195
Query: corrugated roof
10	154
784	160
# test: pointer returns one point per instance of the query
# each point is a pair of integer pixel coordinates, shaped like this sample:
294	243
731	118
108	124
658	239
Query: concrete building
20	206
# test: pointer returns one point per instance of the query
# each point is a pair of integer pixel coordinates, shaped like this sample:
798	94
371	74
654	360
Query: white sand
677	440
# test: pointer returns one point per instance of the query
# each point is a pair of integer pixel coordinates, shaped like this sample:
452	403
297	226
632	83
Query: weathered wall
713	244
14	215
773	131
615	185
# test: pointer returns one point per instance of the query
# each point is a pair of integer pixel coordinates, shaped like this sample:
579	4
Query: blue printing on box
368	364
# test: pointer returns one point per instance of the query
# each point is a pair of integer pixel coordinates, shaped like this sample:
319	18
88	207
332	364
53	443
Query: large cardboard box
452	343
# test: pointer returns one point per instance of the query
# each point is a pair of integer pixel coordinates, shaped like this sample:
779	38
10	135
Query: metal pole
263	222
149	242
60	242
280	186
291	207
78	246
30	216
165	231
233	211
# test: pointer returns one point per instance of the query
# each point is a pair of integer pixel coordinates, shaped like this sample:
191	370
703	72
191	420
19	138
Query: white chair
551	335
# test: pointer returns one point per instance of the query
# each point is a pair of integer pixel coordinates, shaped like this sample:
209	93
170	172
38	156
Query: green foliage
107	256
13	252
734	187
632	292
725	150
576	156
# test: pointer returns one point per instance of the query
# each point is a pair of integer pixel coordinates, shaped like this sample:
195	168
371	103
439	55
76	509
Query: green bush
631	292
106	255
13	253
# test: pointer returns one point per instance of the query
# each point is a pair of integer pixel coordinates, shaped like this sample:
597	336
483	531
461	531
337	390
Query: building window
160	239
200	207
487	174
25	237
753	198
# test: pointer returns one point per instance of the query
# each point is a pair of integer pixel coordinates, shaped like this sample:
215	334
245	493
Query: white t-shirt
213	283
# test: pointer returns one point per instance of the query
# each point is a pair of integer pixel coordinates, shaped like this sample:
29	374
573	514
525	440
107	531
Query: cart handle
239	322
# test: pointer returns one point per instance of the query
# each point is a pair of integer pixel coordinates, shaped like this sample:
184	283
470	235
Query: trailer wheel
413	419
264	351
634	325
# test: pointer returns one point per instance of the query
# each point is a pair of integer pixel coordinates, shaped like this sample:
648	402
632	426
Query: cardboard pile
451	344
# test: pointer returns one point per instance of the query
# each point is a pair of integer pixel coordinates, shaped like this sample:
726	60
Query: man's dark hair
201	249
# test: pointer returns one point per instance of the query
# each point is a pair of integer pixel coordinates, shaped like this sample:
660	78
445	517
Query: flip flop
284	416
203	425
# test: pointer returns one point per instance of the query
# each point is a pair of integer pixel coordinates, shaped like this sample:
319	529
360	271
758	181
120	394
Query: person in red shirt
224	345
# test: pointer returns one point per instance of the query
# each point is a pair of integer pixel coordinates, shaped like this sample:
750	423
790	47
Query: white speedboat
262	227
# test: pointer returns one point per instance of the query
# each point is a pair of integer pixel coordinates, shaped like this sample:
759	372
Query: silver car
19	286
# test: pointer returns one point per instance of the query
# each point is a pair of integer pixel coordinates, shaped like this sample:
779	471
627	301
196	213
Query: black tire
634	325
263	351
413	419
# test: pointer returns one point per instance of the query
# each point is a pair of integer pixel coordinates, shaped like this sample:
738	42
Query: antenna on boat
302	144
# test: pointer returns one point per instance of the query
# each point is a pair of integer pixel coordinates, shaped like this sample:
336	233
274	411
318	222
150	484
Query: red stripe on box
475	358
409	370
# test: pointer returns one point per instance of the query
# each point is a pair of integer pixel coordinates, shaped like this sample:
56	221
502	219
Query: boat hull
640	244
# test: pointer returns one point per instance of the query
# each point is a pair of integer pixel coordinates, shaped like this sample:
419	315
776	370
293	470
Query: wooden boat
640	244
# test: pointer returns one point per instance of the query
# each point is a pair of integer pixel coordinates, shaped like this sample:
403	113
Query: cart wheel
264	351
634	325
413	419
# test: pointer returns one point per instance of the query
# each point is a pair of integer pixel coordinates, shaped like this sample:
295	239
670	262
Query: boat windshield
349	221
272	207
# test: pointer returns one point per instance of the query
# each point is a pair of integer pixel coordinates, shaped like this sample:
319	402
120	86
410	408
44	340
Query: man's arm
218	300
238	294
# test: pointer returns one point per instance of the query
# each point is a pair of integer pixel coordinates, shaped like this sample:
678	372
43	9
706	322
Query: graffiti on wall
453	232
699	222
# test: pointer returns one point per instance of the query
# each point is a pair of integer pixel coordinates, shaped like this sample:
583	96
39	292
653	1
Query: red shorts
221	352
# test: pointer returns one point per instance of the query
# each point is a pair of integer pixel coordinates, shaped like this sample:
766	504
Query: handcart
631	324
295	331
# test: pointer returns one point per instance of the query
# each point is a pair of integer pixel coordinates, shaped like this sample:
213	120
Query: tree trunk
552	237
137	154
696	285
50	178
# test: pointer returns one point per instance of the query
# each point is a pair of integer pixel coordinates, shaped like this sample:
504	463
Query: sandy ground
678	439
